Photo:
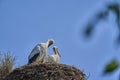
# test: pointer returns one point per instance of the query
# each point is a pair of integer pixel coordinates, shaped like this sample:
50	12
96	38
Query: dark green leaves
115	8
102	15
89	30
111	67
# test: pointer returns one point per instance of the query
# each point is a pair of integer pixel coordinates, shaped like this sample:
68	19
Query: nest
46	71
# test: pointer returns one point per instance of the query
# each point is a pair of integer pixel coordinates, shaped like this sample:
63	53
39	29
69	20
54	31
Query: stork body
54	58
39	52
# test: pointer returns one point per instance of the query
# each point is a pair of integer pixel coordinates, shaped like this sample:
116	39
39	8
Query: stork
39	51
54	58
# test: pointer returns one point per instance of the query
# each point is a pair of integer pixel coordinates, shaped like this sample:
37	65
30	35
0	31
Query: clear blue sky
24	23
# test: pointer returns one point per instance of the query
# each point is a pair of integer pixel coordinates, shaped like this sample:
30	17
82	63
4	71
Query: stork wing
33	58
35	51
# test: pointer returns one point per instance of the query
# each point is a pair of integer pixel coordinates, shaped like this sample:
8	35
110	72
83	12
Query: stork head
55	48
50	42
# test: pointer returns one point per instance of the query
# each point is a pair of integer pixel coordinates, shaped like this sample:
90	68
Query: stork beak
56	50
58	53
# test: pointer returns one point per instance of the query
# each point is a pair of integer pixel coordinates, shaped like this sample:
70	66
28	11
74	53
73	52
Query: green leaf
89	30
115	8
102	15
111	67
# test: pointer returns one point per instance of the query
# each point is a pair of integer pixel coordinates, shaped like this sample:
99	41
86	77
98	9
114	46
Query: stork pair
38	54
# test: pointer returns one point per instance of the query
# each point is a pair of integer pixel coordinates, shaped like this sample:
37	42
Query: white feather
54	58
41	49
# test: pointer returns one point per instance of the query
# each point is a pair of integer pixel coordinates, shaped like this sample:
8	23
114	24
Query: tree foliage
102	15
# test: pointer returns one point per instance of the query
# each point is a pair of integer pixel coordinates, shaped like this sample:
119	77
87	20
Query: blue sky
24	23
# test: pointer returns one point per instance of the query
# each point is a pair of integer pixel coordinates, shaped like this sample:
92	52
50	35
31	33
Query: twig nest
46	71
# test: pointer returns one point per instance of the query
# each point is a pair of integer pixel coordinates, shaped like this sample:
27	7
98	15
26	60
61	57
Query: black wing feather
33	59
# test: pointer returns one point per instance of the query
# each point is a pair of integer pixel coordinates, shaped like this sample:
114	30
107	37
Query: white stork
54	58
39	52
